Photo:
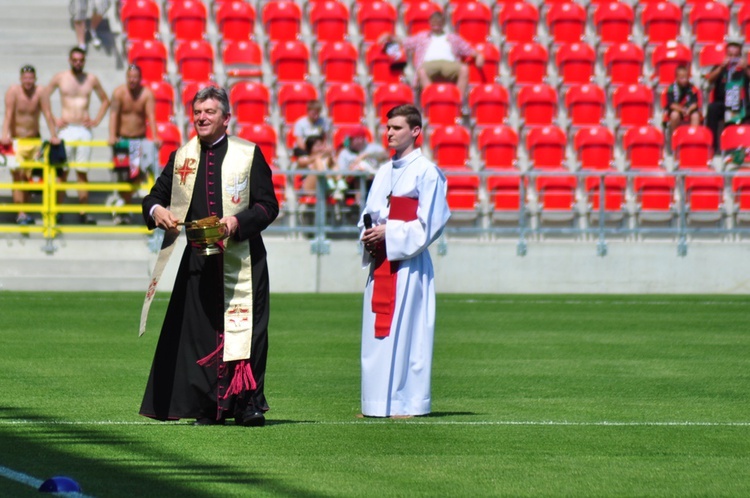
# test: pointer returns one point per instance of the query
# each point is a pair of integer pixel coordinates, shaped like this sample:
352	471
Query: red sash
384	275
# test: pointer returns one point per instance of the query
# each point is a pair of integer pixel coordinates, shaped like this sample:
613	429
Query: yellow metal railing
49	208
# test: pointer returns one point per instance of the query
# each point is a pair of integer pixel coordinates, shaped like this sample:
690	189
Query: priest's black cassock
178	387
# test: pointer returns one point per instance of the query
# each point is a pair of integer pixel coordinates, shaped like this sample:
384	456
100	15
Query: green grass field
532	396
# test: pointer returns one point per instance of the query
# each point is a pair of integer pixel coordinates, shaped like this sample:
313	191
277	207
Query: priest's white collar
408	158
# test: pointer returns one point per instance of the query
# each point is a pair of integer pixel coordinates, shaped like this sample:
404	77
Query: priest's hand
163	218
232	224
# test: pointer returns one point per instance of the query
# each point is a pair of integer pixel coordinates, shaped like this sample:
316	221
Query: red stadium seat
338	62
537	104
586	105
661	21
644	147
735	137
666	58
462	194
711	55
250	102
710	22
634	105
518	22
374	19
187	19
164	97
488	104
594	148
743	19
624	64
281	20
528	63
575	63
693	147
189	89
242	60
171	140
615	200
546	147
556	197
614	22
704	198
381	68
417	15
264	136
489	72
290	60
654	197
279	186
450	146
235	20
346	103
140	20
498	147
293	99
195	60
741	192
151	57
566	22
441	104
386	97
329	20
505	196
472	20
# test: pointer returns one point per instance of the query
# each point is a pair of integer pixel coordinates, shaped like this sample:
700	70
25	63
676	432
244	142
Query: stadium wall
643	267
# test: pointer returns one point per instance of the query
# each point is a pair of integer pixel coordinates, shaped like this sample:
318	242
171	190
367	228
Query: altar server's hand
373	237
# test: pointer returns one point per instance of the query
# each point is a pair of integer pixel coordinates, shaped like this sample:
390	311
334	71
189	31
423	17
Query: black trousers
715	121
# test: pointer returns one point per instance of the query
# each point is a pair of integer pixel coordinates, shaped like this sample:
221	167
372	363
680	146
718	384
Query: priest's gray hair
215	93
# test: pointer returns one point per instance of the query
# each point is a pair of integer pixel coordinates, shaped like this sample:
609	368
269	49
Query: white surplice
396	369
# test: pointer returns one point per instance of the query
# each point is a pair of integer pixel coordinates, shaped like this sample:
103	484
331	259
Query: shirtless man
133	108
75	122
24	104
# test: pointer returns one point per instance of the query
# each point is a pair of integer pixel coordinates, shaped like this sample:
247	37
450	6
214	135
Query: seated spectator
731	83
360	155
682	102
312	124
438	55
318	156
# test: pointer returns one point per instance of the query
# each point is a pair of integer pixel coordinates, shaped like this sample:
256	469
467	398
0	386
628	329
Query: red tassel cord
242	381
213	358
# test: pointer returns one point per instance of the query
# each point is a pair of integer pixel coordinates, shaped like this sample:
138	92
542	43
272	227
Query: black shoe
251	418
86	219
208	421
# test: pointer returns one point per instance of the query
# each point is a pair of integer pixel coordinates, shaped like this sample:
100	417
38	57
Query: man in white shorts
75	123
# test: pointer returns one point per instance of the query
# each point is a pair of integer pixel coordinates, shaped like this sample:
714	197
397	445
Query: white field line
490	300
587	302
415	421
33	482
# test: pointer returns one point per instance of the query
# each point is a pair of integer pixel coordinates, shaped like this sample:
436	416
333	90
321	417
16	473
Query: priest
210	359
406	211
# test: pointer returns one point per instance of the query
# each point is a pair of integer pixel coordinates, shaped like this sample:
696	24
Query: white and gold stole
238	281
